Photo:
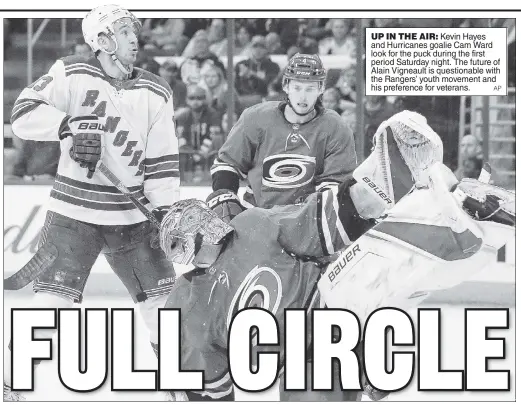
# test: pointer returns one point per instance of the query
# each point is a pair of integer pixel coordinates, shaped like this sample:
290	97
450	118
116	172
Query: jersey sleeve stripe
83	71
162	175
21	101
19	106
320	223
161	159
24	110
79	65
156	85
326	184
325	225
161	167
219	166
160	93
95	187
338	223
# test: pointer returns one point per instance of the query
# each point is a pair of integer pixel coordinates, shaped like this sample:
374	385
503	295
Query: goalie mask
405	147
186	227
101	20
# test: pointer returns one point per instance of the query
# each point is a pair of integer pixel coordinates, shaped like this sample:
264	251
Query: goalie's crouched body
267	258
277	249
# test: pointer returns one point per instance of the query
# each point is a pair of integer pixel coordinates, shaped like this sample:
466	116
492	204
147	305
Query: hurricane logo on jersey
261	288
288	171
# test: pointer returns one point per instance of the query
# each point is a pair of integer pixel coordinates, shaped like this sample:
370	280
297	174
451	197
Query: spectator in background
217	37
314	28
165	34
346	85
37	160
275	87
470	146
341	42
273	44
253	75
147	62
287	28
376	110
197	52
470	152
349	117
82	49
470	168
196	126
243	40
331	99
386	23
242	46
224	124
192	25
170	72
216	87
308	45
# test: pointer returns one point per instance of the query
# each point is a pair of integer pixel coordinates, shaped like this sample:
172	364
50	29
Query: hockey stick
43	258
126	192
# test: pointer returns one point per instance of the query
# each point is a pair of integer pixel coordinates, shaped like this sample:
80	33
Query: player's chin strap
115	59
120	65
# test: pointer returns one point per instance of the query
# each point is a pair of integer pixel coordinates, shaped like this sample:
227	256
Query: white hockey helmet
100	20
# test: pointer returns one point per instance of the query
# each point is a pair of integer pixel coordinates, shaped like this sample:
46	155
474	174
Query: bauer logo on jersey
261	288
288	171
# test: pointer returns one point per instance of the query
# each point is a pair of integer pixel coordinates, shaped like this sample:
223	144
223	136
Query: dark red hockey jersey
284	163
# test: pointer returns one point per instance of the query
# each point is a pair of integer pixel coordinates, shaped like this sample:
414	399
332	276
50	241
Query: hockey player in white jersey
103	109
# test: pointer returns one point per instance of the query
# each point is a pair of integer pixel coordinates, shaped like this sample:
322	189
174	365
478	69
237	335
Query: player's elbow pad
225	180
354	225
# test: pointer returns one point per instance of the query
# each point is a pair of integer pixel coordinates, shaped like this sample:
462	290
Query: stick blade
39	263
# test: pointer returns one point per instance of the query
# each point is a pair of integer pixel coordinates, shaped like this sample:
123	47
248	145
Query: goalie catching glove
405	147
225	204
485	202
86	132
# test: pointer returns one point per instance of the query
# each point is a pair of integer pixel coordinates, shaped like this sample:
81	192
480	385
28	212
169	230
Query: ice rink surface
495	288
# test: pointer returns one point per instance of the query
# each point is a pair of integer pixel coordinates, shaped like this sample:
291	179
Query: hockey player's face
303	95
126	35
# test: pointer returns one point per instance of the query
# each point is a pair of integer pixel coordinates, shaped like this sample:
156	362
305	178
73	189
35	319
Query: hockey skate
10	395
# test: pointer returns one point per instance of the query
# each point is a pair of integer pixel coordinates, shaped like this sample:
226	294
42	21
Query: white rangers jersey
139	144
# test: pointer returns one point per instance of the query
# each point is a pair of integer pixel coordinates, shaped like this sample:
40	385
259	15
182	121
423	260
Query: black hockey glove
86	132
225	204
485	202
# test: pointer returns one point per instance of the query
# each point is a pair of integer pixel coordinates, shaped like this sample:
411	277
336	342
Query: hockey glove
159	213
86	132
485	202
225	204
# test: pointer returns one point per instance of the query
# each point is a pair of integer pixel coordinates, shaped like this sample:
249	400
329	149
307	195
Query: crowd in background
200	86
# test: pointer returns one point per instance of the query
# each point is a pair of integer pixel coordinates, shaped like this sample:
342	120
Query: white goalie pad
426	243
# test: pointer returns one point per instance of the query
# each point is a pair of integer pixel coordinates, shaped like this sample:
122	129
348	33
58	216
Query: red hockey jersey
283	162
